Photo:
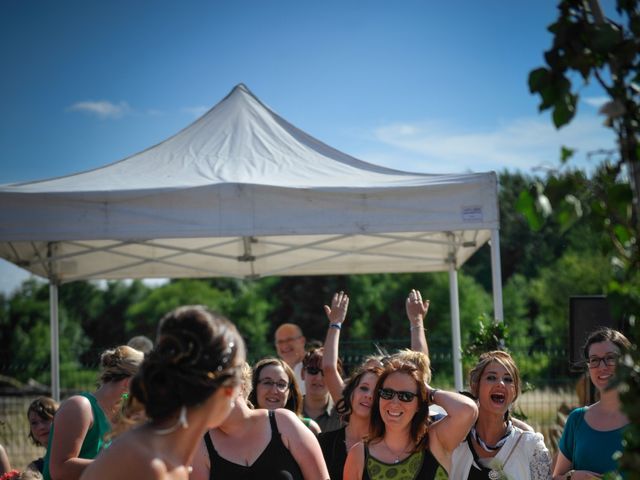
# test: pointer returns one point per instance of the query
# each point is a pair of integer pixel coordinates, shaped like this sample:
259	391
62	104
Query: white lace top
529	461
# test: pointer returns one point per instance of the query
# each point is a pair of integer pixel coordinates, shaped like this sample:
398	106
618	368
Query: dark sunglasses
314	371
389	393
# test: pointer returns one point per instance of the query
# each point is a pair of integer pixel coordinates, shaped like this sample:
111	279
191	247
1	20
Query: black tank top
275	462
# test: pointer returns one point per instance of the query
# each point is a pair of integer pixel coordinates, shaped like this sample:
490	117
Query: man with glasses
290	344
317	403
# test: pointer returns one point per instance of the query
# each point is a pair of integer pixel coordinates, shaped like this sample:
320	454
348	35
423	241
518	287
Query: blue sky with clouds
414	85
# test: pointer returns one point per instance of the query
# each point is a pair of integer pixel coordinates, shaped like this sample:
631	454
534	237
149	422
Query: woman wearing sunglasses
274	385
401	443
593	434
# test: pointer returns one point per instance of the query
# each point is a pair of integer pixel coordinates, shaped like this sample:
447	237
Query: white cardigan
529	461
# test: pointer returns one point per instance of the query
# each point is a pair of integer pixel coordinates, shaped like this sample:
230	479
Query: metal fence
548	397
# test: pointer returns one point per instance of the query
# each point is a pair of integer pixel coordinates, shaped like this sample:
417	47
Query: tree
588	44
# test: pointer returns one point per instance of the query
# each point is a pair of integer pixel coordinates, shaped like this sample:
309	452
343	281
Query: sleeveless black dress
274	462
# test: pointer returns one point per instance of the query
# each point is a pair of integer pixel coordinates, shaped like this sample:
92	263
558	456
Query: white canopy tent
243	193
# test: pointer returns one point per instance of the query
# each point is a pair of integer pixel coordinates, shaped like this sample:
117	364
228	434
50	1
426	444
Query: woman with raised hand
274	385
496	448
82	421
187	384
265	444
416	311
401	440
593	434
40	415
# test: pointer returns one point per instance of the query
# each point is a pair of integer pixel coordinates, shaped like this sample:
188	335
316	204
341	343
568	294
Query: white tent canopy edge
243	193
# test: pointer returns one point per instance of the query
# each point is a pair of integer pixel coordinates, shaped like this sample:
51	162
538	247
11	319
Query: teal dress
93	441
589	449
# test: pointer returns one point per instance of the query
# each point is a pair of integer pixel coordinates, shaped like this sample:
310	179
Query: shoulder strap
476	460
272	421
210	448
513	448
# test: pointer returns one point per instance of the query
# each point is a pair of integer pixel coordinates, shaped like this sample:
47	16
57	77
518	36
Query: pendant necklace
397	460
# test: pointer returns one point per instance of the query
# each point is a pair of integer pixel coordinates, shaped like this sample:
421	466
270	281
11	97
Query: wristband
432	395
416	327
335	325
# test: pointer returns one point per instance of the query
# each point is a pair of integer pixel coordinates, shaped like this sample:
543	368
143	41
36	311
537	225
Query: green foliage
242	302
596	47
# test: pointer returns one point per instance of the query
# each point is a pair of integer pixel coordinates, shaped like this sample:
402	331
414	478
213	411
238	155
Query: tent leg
55	344
455	326
496	276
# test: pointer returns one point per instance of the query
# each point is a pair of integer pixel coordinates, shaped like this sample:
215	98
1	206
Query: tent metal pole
496	276
455	325
55	340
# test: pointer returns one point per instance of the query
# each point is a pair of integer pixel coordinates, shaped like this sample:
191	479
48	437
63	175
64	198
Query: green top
93	440
407	469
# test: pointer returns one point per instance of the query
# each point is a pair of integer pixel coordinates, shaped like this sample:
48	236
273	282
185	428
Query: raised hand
337	313
416	308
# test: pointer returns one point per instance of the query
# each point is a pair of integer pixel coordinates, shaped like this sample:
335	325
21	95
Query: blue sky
414	85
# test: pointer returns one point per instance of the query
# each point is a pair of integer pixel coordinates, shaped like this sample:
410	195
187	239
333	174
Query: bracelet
432	395
416	327
569	474
336	325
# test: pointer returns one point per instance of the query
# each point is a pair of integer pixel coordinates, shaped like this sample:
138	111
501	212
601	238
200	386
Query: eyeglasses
314	371
389	393
609	361
283	341
281	386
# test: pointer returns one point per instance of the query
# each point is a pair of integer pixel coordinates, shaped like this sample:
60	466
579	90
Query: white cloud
524	144
195	111
102	109
596	102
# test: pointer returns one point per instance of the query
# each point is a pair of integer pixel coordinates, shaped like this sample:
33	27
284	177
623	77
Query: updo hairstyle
500	357
119	363
606	334
196	352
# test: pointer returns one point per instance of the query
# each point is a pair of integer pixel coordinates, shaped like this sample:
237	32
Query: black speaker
586	314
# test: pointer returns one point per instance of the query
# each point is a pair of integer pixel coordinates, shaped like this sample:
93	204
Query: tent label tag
472	213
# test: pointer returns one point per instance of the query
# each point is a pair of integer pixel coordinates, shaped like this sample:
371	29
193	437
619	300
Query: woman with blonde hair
80	425
187	384
496	448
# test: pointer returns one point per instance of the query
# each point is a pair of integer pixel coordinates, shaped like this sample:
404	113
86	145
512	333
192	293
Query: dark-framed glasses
284	341
403	396
314	371
610	360
280	385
